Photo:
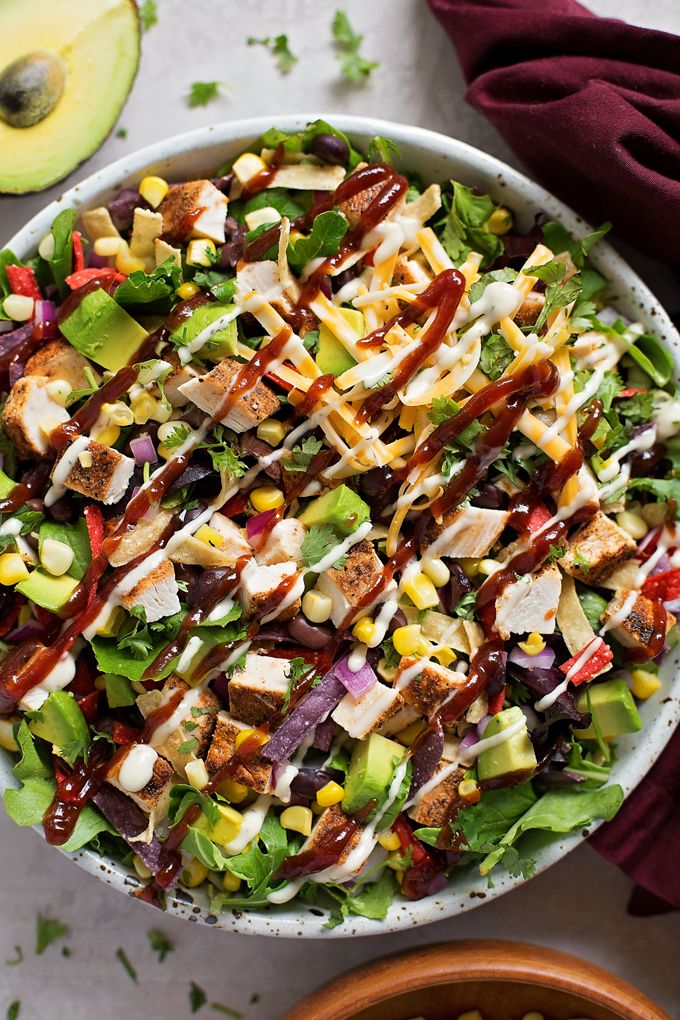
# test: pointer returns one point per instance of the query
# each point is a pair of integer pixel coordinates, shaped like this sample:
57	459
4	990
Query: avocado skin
341	508
371	770
612	707
30	88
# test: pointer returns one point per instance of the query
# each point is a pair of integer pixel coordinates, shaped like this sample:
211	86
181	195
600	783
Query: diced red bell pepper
235	506
22	281
367	260
89	706
630	392
595	664
496	703
279	382
83	276
78	253
663	587
124	734
294	652
403	830
95	528
537	518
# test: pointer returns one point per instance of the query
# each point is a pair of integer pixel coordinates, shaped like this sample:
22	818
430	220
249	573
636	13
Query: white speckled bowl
435	157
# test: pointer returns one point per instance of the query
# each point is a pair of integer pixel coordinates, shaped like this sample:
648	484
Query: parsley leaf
465	226
197	997
319	541
278	47
303	454
354	68
48	930
495	356
203	92
160	943
148	14
506	275
325	238
122	958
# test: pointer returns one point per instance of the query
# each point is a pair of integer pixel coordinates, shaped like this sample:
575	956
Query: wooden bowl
504	980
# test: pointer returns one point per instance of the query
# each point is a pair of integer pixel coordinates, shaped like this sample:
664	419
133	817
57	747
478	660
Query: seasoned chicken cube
94	470
56	359
259	690
530	604
153	798
194	209
262	278
330	821
259	585
147	227
369	713
155	593
190	739
178	375
355	207
250	770
530	309
637	629
429	689
438	805
141	538
29	415
597	549
409	271
347	585
225	550
467	533
283	543
210	391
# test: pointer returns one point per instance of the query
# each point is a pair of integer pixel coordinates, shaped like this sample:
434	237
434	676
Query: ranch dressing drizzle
137	768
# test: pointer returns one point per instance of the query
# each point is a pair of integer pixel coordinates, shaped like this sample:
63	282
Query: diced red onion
46	318
30	629
256	526
651	537
542	660
481	725
356	683
470	739
662	566
143	450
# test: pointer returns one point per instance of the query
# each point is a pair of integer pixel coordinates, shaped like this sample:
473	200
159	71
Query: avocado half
66	68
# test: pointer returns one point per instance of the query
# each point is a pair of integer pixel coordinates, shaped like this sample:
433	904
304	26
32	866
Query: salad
337	528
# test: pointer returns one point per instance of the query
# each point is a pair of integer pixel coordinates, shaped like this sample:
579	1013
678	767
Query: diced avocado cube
103	331
332	357
6	485
113	622
119	693
516	754
50	592
341	508
73	535
221	343
225	828
613	708
371	770
61	722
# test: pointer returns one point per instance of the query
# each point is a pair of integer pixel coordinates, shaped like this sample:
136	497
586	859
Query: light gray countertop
578	905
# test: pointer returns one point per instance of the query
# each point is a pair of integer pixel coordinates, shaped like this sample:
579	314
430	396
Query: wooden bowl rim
474	960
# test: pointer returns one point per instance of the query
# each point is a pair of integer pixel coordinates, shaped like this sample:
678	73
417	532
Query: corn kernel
193	873
267	497
410	733
231	883
499	222
153	190
118	413
140	867
108	247
365	631
437	571
644	684
12	569
162	412
389	841
424	649
395	861
201	252
47	247
232	791
421	592
197	774
211	537
469	791
247	166
18	307
488	567
126	262
533	644
258	738
654	514
109	435
271	431
58	390
143	406
298	819
25	614
187	290
331	793
470	567
633	524
258	217
444	655
316	606
7	738
405	639
56	557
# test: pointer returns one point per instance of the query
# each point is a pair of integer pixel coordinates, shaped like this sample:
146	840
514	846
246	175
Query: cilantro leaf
354	68
223	453
550	272
382	150
160	943
30	521
506	275
325	238
303	454
319	541
495	356
278	47
465	226
221	285
122	958
558	295
442	409
637	409
148	14
465	608
13	1010
48	930
560	240
607	391
178	436
219	1007
188	746
665	490
203	92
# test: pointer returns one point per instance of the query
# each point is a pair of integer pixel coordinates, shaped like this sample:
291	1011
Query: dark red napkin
590	105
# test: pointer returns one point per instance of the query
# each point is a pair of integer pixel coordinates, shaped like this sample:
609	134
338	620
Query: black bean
311	635
331	149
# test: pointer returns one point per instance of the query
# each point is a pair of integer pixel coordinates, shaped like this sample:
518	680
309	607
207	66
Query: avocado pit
30	88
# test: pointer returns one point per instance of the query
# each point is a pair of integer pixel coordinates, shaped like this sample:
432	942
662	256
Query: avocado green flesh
341	508
371	770
331	357
61	721
103	331
221	343
44	590
613	709
30	88
6	485
514	755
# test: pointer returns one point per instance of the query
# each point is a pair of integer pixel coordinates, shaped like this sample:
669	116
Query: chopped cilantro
122	958
382	150
203	92
278	47
160	943
557	552
465	608
391	655
637	409
219	1007
48	930
310	341
148	14
188	746
495	357
442	409
197	997
558	295
121	133
325	238
549	272
17	958
354	68
319	541
579	561
302	455
178	436
465	226
298	669
506	275
13	1010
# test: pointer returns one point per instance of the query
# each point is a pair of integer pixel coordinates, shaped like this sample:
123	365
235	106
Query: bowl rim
478	960
470	890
